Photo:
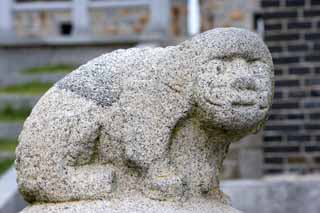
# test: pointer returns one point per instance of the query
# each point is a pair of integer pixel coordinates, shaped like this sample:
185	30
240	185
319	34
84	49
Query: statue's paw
91	182
165	187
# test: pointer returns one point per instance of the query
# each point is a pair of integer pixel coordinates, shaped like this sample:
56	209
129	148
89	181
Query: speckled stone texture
146	130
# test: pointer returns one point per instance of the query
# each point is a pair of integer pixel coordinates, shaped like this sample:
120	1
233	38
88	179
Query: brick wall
292	134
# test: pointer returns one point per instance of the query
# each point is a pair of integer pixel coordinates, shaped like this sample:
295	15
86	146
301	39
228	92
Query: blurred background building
41	41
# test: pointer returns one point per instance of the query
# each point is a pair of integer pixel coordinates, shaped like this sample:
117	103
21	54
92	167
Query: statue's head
234	83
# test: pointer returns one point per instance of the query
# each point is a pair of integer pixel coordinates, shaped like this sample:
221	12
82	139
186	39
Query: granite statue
146	129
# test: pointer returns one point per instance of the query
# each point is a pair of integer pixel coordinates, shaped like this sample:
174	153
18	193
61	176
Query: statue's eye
252	60
215	66
259	68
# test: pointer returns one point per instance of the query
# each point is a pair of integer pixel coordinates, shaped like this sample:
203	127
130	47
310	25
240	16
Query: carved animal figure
155	121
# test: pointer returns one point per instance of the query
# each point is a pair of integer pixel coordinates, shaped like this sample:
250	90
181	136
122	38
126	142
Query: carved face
234	94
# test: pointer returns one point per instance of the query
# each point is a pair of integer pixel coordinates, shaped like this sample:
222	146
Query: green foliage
32	88
5	164
58	68
8	145
8	113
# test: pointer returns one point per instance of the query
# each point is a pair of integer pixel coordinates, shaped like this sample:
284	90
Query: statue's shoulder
97	79
100	79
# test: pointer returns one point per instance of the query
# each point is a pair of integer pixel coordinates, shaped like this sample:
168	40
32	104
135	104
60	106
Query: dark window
65	28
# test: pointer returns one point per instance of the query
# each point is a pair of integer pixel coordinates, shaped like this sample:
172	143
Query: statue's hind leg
55	156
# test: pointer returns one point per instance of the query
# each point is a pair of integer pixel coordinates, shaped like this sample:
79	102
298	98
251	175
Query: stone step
10	199
54	77
10	129
16	78
18	101
5	155
281	195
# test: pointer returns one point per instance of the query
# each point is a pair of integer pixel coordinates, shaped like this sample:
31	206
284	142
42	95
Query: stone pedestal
160	11
80	17
141	205
6	19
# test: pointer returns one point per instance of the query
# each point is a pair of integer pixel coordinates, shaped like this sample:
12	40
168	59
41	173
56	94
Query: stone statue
146	130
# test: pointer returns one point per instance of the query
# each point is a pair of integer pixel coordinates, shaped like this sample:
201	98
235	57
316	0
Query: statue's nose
244	83
243	79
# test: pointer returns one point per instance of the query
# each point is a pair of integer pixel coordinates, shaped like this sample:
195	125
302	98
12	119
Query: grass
5	164
8	113
32	88
8	145
58	68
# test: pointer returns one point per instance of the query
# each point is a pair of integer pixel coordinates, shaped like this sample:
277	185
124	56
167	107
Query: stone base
133	205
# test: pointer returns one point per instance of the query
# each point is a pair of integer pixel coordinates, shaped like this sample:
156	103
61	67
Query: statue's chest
193	156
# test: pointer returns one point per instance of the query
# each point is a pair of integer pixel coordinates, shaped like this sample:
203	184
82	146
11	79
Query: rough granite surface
146	129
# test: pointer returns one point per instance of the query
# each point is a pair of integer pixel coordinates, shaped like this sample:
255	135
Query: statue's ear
259	127
184	46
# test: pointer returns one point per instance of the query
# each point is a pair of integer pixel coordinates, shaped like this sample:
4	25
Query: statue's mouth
234	104
240	104
243	103
248	104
